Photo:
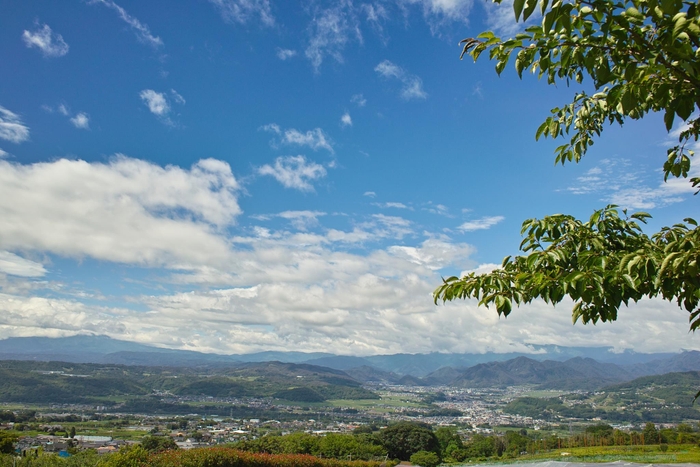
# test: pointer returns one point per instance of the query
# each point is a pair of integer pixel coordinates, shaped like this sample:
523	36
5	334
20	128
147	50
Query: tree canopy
642	56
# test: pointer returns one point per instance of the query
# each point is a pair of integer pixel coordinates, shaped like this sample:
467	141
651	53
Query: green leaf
518	8
669	115
531	4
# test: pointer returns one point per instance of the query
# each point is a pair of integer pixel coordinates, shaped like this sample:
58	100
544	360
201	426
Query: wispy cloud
359	100
143	33
412	84
617	181
79	120
242	11
392	205
501	19
302	220
370	194
345	120
440	209
11	127
294	172
50	43
480	224
15	265
439	12
177	97
285	54
331	30
315	139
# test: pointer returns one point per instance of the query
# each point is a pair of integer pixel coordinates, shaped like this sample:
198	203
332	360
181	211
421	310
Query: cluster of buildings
32	445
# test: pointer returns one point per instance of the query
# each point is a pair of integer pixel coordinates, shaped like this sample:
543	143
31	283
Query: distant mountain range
549	367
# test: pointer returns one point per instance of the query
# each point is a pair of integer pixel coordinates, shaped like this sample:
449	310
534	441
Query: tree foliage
425	459
642	56
404	439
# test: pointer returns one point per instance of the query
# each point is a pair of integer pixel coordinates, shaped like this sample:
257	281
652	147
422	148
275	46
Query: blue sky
243	175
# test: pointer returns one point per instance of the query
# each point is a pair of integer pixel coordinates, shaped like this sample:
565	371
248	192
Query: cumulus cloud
412	85
346	304
484	223
50	43
294	172
285	54
142	31
345	120
126	210
156	102
331	29
293	291
315	139
11	127
242	11
81	120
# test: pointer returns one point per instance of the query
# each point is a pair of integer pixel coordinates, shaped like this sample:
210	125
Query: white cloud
126	210
412	84
331	29
370	194
3	154
315	139
50	43
620	182
290	291
178	98
480	224
500	18
143	33
439	209
362	313
359	100
81	120
435	254
391	205
449	9
272	128
390	226
439	13
294	172
156	102
15	265
11	127
285	54
242	11
302	220
346	120
481	269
